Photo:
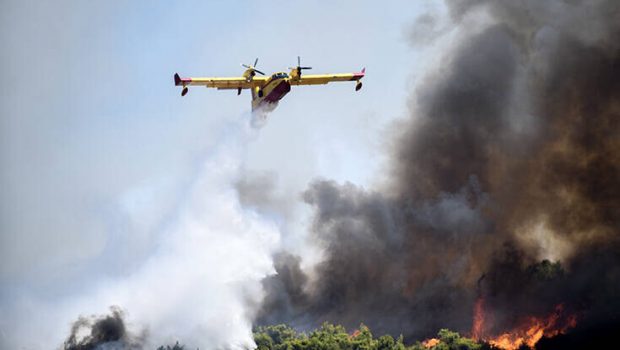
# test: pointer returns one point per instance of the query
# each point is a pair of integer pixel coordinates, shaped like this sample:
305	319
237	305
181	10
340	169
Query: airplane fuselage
273	91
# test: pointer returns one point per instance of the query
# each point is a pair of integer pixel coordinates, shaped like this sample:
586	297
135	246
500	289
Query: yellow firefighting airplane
267	91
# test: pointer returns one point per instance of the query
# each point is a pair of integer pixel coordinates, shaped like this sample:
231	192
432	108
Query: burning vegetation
513	330
528	331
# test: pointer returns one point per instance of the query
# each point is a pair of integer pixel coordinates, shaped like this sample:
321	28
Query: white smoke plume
199	285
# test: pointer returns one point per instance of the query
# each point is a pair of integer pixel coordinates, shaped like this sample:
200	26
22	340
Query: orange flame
429	343
477	327
528	333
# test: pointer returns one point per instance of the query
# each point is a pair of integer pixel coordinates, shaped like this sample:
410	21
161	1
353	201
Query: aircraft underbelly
278	92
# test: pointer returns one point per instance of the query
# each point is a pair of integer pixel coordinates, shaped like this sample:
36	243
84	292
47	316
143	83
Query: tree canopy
335	337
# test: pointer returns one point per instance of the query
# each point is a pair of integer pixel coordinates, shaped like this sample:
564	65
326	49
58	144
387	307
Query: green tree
363	339
454	341
263	341
329	337
335	337
386	342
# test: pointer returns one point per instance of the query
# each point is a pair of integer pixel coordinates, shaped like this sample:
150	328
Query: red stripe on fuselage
181	81
357	76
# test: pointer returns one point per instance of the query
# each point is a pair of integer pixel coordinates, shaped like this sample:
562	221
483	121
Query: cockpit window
279	76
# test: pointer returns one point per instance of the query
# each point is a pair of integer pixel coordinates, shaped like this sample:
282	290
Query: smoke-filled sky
105	171
485	140
508	161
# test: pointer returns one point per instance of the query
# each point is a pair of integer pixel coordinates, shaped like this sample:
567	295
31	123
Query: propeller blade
298	61
305	67
256	62
245	65
259	72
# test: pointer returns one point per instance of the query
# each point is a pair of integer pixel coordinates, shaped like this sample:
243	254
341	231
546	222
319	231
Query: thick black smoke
511	155
102	333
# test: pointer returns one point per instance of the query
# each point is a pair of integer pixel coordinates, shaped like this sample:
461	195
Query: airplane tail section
178	81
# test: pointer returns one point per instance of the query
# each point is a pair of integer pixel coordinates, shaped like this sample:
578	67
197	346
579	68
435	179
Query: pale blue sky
93	134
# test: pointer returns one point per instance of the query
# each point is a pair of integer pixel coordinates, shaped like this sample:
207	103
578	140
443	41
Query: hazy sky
98	150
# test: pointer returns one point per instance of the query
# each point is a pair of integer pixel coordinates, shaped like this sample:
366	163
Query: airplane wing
219	83
318	79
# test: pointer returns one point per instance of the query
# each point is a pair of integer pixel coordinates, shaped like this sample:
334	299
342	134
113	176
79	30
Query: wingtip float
268	90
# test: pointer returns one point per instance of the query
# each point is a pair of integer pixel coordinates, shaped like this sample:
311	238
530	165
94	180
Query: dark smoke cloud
102	333
511	155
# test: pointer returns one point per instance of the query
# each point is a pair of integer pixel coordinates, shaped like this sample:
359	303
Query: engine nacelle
249	74
358	86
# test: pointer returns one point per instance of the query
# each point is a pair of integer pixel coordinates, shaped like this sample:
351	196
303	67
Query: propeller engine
296	71
251	70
